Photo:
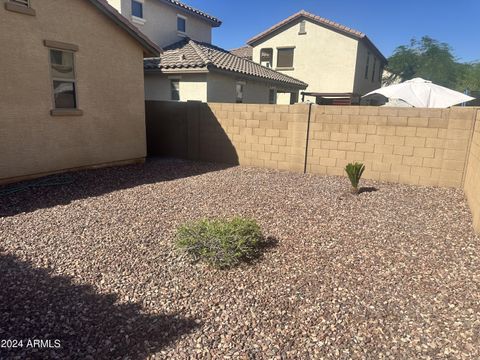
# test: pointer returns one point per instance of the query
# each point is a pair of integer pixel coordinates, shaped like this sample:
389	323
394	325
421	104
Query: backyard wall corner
472	177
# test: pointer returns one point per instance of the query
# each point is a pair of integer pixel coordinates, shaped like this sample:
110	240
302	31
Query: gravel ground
393	273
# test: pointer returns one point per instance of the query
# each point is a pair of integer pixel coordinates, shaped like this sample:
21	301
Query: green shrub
354	172
221	243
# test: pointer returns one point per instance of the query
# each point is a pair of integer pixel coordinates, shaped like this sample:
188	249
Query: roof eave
214	22
259	78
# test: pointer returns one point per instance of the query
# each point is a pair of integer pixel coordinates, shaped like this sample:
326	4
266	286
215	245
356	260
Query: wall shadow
34	304
27	196
187	130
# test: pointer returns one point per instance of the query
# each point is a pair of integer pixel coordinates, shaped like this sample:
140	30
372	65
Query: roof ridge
199	51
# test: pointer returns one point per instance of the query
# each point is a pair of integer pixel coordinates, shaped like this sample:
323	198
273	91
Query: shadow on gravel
367	190
34	304
50	191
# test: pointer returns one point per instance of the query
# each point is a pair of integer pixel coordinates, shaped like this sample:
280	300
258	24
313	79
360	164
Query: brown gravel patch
393	273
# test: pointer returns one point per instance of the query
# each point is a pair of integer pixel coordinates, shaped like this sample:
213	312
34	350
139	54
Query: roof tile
191	54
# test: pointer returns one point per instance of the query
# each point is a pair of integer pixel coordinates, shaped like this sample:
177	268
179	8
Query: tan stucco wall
109	68
472	178
325	59
192	86
361	85
222	88
161	22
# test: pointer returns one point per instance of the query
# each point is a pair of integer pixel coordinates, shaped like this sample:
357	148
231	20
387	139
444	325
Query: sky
387	23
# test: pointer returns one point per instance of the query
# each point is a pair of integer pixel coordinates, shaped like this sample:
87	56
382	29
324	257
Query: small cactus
354	172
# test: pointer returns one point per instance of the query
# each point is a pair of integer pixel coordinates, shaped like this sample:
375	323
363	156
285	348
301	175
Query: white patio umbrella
423	93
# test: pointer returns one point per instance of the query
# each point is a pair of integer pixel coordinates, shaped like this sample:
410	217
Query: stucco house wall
161	22
364	85
112	127
222	89
193	87
329	61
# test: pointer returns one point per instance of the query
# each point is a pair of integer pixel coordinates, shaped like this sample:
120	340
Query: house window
293	98
181	24
175	89
380	74
63	78
366	67
240	87
272	96
137	8
285	57
302	28
266	57
25	3
20	6
374	68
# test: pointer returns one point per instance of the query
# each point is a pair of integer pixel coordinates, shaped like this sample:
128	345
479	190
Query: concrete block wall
472	177
435	147
270	136
412	146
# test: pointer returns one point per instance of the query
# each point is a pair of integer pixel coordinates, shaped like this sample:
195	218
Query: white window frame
52	78
182	33
136	19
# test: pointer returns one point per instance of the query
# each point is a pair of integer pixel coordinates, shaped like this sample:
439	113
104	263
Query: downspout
308	137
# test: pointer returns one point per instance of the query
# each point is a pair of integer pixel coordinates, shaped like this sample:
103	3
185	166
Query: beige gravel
393	273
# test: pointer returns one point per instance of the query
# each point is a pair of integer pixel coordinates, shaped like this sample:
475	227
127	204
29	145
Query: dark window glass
293	98
366	67
374	68
175	89
137	9
380	74
181	24
272	96
285	58
63	77
64	94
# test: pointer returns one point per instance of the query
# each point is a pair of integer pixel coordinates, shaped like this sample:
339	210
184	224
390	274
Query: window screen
285	58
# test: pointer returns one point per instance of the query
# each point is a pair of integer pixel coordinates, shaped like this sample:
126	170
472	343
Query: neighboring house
167	21
192	70
72	87
332	58
245	52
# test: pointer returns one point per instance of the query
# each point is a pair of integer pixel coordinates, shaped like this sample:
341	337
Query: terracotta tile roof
150	48
193	55
245	52
216	22
321	21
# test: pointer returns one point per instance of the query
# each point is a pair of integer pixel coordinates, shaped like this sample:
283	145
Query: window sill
137	20
181	33
66	112
284	68
302	33
19	9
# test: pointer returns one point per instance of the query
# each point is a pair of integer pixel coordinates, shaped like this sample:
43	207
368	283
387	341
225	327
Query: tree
434	61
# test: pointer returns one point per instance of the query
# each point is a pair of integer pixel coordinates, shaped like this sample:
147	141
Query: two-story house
59	72
191	68
336	61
